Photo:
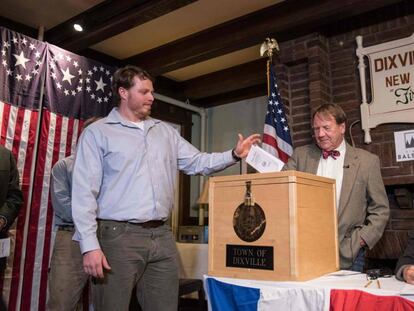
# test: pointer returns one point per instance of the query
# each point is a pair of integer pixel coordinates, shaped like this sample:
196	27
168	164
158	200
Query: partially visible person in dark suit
11	199
405	265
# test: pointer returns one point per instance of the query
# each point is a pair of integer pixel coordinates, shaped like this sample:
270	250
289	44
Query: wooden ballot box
272	226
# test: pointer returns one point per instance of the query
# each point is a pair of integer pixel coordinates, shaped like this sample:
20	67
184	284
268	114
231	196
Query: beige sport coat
363	207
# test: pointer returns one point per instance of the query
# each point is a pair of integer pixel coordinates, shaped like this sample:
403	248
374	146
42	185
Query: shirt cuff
399	273
228	157
235	156
88	244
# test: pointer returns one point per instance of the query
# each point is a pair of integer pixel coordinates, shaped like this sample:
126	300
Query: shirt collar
342	147
114	117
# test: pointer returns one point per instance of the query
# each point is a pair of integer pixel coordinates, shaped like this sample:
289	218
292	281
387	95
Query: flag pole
269	63
268	46
276	133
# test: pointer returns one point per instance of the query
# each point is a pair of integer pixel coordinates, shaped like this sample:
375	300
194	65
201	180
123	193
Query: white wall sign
391	67
404	145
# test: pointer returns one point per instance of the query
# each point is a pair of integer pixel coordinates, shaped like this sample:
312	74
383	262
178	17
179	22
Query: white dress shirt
334	168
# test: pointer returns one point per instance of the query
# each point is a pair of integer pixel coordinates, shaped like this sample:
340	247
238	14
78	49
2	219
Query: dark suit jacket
407	258
363	208
11	197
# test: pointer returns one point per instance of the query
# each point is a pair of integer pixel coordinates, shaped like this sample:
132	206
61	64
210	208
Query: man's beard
144	115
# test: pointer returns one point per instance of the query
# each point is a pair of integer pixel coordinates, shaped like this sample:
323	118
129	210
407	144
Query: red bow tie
333	153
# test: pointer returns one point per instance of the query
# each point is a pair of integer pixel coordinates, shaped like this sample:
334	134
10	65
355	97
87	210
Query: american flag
76	88
22	70
276	132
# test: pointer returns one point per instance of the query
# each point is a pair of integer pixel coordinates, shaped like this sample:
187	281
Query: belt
66	228
149	224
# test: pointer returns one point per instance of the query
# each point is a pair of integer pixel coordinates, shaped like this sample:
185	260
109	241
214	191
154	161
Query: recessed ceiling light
78	27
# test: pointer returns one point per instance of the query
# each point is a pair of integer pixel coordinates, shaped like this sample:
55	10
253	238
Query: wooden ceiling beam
283	21
233	96
171	88
226	80
19	27
102	57
108	19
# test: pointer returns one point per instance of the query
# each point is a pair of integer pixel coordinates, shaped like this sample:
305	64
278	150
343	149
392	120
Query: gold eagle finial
268	46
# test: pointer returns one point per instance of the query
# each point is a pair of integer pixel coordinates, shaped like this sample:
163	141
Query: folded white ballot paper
4	247
263	161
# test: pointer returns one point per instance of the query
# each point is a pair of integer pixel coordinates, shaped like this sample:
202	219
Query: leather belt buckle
151	224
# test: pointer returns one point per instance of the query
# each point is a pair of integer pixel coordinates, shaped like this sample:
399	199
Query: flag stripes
18	133
56	140
283	149
39	131
276	132
5	118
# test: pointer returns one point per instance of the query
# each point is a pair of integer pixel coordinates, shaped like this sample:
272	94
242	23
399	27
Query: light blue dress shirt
124	173
61	184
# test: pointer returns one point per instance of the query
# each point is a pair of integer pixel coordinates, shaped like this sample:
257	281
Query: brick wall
346	92
321	68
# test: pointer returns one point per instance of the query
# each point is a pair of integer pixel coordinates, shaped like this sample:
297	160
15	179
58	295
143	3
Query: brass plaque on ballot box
272	226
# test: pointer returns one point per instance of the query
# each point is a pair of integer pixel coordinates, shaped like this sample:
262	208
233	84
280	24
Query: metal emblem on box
249	221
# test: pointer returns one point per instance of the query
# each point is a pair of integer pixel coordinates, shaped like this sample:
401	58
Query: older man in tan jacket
362	204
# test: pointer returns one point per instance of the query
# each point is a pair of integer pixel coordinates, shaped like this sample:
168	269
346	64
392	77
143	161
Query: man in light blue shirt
122	194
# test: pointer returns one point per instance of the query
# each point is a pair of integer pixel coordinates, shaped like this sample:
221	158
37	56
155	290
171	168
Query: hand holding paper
263	161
